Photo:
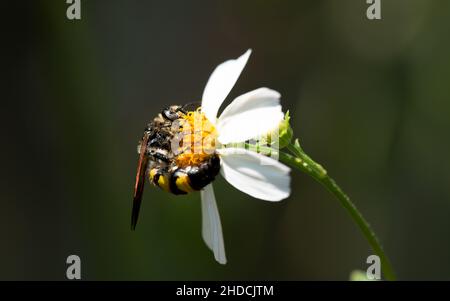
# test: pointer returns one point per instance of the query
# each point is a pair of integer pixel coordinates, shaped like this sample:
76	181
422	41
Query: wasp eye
170	114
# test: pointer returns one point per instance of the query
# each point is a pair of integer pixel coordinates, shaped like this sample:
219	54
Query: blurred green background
369	100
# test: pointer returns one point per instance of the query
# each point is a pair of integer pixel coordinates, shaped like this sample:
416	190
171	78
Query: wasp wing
140	181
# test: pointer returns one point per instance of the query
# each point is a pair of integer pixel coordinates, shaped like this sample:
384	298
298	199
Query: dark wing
140	181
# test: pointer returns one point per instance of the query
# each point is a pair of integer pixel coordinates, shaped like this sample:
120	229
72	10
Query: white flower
248	116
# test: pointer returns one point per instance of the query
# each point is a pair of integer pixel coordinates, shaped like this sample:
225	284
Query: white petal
251	115
220	84
260	176
211	226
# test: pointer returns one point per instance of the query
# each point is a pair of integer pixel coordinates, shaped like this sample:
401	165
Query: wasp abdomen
184	180
160	178
202	175
180	182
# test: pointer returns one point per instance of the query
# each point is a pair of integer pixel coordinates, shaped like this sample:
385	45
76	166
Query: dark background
369	100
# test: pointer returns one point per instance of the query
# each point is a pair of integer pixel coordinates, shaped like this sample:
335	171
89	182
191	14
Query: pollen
198	139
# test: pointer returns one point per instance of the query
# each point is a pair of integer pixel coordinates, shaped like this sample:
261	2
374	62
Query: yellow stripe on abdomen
159	179
152	174
163	182
183	184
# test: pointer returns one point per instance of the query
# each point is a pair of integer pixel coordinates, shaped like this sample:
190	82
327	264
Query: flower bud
281	136
285	131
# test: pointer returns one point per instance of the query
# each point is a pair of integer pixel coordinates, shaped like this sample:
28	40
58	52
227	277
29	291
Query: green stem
315	170
304	163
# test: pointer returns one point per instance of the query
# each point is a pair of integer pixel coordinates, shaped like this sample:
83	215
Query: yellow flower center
198	139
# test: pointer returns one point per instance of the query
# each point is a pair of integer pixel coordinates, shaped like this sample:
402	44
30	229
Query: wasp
166	163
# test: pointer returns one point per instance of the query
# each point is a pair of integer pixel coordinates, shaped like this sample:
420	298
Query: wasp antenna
191	106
